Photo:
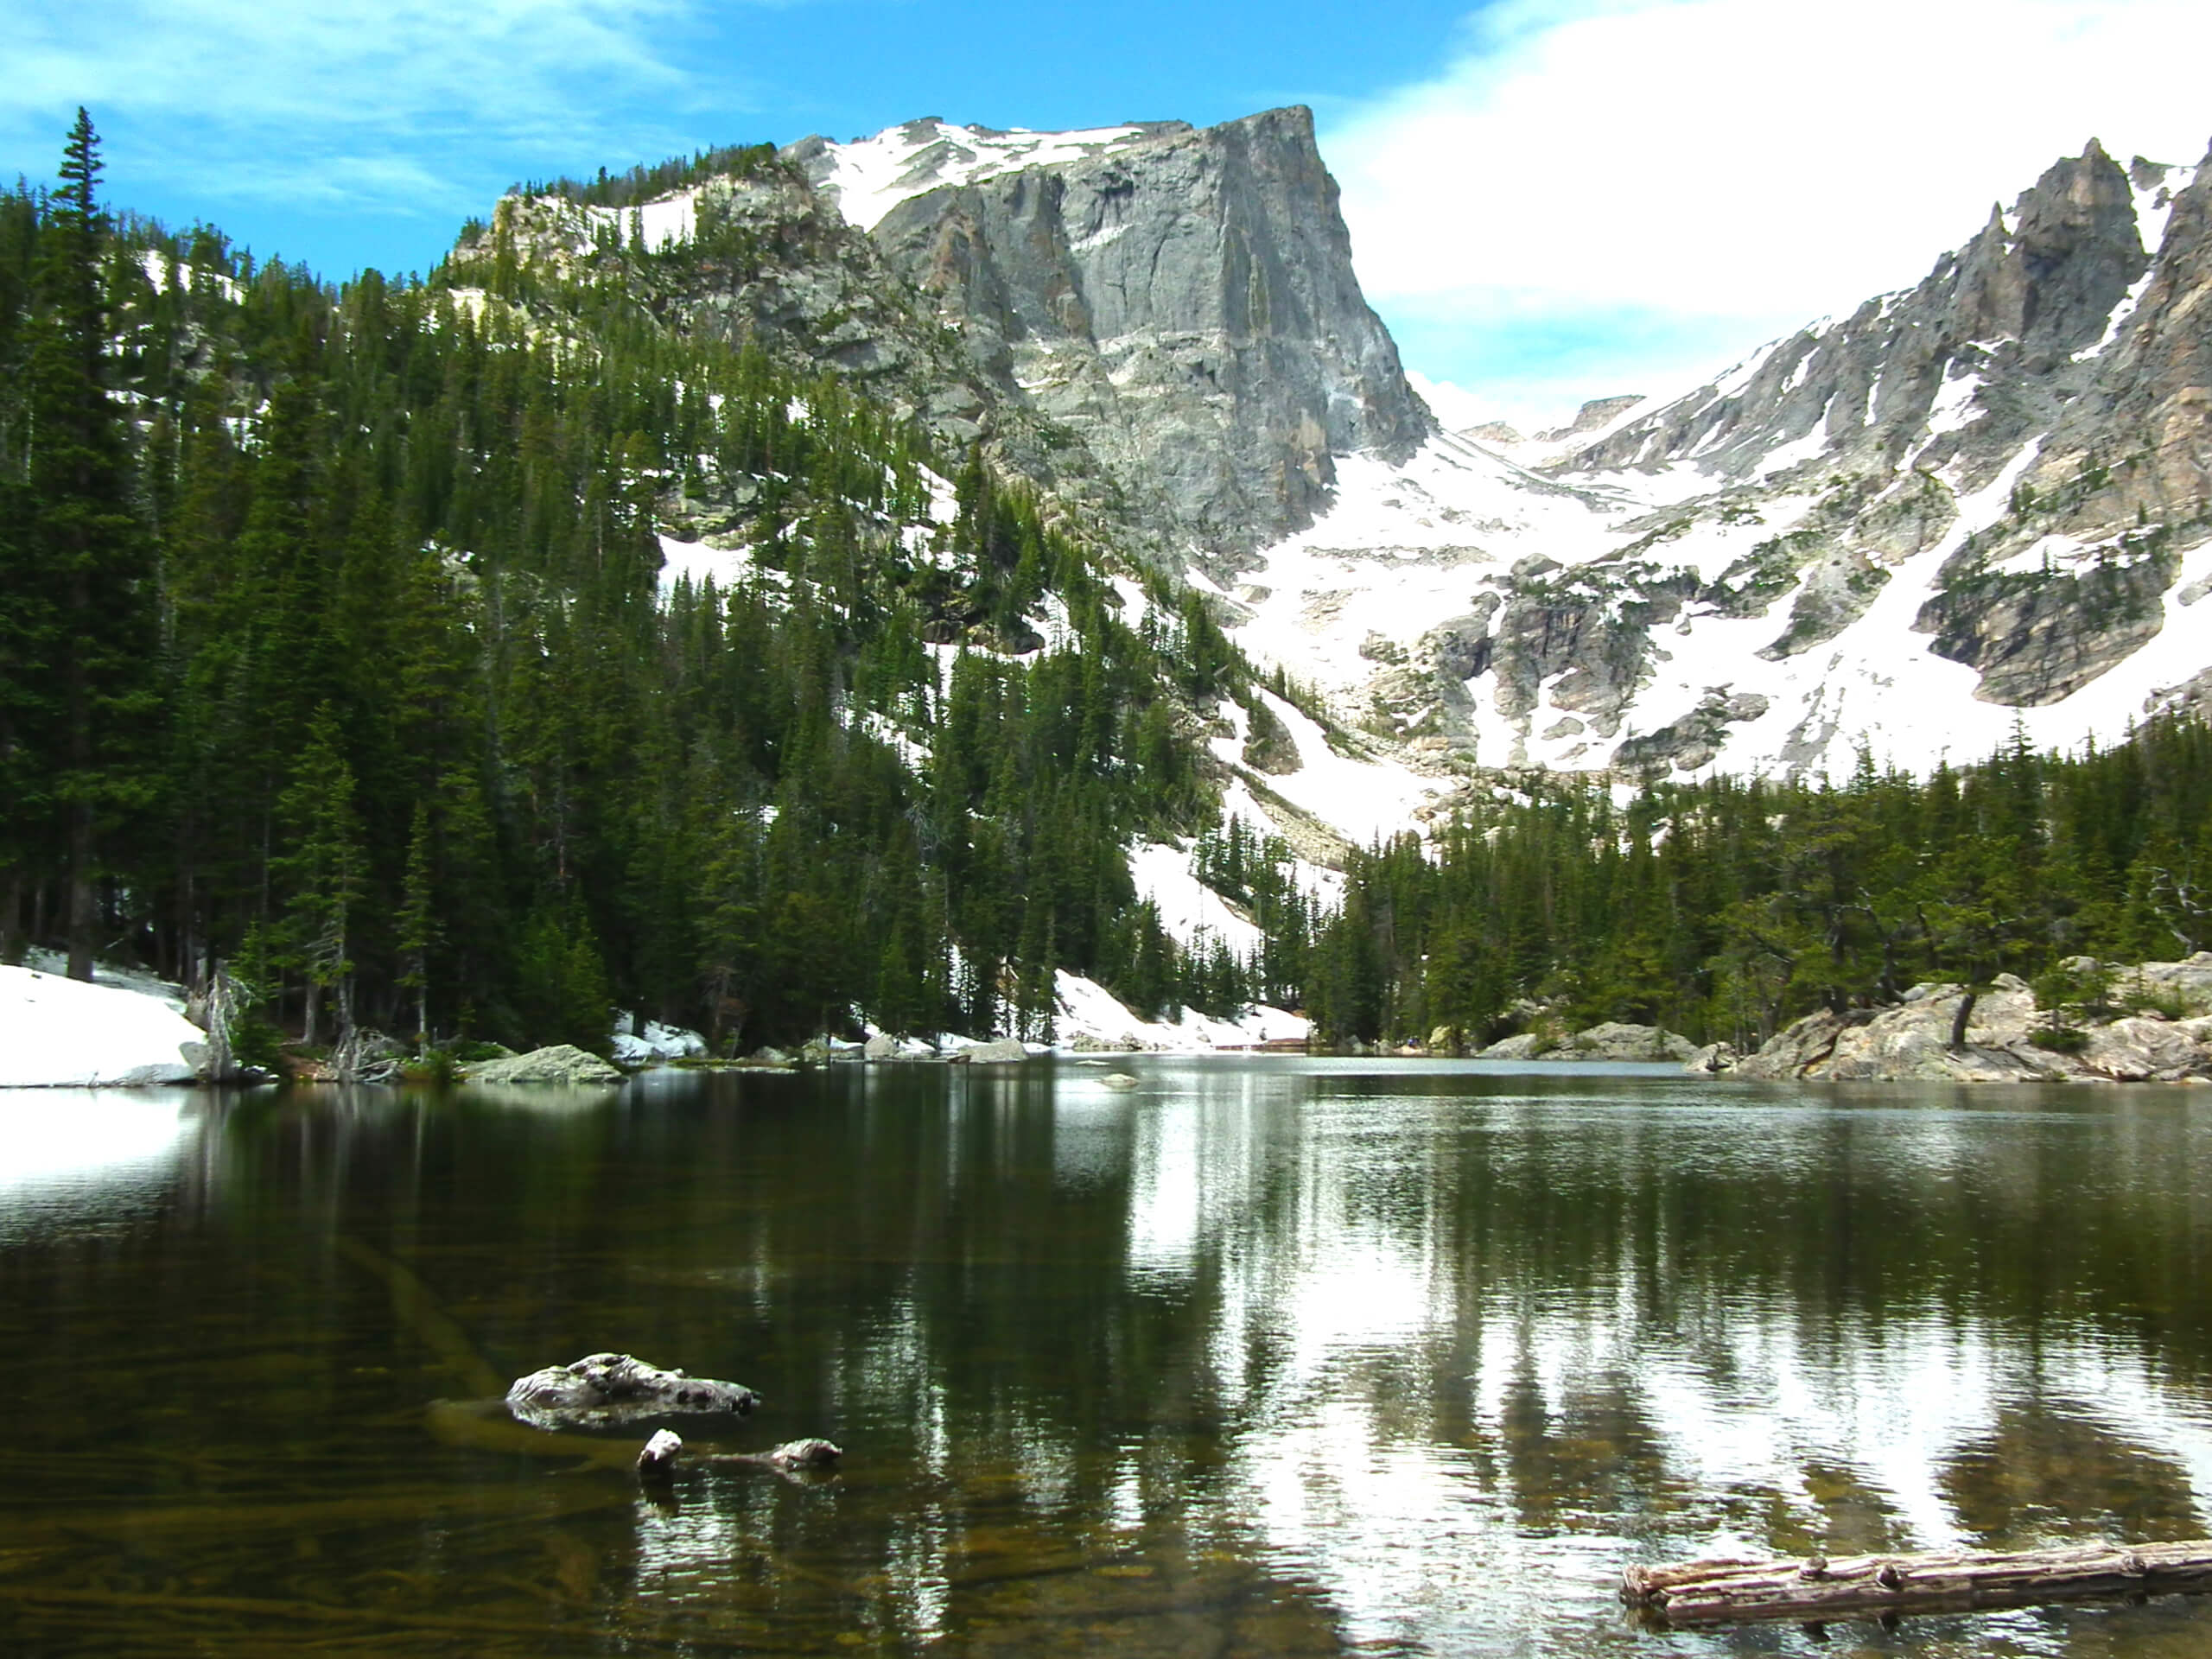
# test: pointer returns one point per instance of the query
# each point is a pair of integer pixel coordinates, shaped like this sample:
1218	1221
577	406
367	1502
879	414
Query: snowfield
1403	550
61	1033
870	176
1087	1009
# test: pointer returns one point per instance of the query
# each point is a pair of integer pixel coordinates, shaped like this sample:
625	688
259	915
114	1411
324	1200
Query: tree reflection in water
1263	1356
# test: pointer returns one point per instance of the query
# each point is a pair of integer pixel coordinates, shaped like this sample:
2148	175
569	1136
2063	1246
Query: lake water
1266	1355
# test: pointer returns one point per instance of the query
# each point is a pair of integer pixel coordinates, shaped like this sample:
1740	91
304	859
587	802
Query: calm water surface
1264	1357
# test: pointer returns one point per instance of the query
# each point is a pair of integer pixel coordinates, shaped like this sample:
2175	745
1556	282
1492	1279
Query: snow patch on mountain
1191	912
867	178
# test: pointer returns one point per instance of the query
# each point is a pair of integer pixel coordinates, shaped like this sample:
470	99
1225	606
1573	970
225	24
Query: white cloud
1667	173
350	100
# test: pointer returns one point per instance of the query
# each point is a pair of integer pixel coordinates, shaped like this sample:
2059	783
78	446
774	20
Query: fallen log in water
1735	1591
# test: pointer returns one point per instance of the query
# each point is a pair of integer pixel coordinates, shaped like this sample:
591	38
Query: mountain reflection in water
1265	1355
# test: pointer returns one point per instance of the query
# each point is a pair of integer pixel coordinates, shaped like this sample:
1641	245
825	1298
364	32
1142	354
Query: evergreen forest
337	645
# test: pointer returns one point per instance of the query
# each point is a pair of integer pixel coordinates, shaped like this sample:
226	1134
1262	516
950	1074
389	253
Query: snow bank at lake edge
57	1033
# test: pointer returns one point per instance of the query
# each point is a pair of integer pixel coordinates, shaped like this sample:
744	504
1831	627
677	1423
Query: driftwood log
1728	1592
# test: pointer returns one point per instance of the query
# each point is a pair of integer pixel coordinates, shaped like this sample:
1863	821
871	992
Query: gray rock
1911	1041
1713	1059
1522	1045
1185	303
1005	1048
561	1064
882	1047
1616	1041
606	1390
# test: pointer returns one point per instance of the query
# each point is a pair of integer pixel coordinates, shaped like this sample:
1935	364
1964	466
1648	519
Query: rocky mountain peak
1182	301
1983	499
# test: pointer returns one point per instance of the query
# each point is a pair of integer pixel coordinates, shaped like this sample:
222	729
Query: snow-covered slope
867	178
58	1033
1981	502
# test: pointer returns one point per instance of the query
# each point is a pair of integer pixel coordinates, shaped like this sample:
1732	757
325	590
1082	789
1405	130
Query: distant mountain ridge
1984	495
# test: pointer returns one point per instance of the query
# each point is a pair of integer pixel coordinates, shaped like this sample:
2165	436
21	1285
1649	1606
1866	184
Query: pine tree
93	559
418	922
324	870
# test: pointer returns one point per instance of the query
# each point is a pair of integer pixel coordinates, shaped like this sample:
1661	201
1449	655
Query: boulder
562	1063
1911	1041
1713	1059
1616	1041
1523	1045
607	1390
2189	981
1005	1048
2148	1051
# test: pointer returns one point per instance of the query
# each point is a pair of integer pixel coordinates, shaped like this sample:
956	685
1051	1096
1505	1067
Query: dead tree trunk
1736	1592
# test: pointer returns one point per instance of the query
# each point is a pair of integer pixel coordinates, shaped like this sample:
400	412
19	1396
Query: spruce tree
93	559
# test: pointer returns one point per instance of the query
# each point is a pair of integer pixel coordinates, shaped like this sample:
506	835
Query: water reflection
1266	1355
86	1157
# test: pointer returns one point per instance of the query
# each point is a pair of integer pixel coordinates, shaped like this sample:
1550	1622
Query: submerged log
656	1461
1726	1592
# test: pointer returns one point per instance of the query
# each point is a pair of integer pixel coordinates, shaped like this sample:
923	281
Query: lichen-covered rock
1612	1040
562	1063
607	1390
1618	1041
1911	1041
1005	1048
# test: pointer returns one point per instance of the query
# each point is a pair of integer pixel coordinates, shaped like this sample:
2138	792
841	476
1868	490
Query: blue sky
1548	199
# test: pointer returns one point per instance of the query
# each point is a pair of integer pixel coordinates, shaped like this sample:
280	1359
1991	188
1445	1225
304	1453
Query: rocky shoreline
2151	1024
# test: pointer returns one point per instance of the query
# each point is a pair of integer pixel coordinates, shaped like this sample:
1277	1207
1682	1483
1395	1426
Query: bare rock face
2010	308
1185	303
607	1390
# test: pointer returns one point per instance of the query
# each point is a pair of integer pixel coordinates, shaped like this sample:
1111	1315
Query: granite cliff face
1181	301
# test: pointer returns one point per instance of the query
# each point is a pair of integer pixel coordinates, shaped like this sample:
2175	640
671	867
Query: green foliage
423	719
1726	908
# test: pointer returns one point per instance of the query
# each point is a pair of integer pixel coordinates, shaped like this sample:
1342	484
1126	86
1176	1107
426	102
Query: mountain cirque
1979	501
1985	495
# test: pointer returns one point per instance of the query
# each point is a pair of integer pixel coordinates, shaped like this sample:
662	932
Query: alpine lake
1265	1356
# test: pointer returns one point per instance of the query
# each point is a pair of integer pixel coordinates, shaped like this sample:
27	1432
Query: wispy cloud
385	104
1727	168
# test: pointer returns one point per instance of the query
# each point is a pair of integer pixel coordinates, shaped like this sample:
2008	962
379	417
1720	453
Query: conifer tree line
1725	908
334	644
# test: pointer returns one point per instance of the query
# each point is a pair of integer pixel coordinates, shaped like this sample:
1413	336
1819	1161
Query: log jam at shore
1734	1591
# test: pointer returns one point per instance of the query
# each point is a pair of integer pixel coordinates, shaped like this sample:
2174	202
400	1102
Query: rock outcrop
1911	1041
562	1063
1612	1040
1182	301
